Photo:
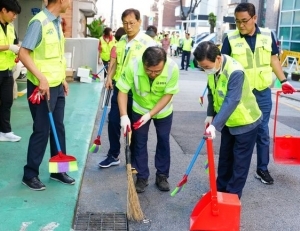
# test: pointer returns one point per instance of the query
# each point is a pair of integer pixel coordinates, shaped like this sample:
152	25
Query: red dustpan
216	210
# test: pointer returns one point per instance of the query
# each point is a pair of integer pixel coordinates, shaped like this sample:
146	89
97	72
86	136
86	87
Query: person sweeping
42	53
232	110
153	80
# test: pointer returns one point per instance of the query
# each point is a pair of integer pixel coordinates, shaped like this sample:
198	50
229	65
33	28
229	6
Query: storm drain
101	221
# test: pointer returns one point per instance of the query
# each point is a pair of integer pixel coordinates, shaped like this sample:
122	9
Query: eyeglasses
131	24
149	72
244	22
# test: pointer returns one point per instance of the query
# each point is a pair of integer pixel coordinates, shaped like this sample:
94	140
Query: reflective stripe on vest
7	57
48	56
257	65
168	108
136	49
247	111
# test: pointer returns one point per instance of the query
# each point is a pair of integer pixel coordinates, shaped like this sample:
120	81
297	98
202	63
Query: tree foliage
96	27
191	9
212	21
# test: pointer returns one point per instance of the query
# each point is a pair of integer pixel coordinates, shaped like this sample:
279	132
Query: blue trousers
234	160
264	101
114	128
162	153
41	128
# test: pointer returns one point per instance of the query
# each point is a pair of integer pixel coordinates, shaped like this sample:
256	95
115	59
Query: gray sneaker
140	185
162	182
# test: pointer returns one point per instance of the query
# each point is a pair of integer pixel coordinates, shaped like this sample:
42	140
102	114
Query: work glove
211	130
14	48
287	88
144	119
125	124
36	96
208	120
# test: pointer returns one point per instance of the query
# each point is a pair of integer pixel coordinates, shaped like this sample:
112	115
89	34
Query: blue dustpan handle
195	156
53	126
104	112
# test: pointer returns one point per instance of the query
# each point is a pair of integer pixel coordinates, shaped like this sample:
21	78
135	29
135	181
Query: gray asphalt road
264	207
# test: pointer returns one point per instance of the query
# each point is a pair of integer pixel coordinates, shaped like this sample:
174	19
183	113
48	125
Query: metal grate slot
101	221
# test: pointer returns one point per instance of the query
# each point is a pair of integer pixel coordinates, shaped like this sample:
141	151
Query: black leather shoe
62	177
181	68
34	184
140	185
162	182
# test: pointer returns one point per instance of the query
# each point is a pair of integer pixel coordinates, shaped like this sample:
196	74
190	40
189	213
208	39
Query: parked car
199	37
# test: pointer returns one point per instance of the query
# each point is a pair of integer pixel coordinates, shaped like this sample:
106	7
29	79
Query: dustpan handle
104	112
212	176
53	126
276	112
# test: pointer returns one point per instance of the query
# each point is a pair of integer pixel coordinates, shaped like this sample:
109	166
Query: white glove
208	120
125	124
144	119
14	48
212	131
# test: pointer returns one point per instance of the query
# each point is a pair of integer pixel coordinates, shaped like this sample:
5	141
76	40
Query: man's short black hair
10	5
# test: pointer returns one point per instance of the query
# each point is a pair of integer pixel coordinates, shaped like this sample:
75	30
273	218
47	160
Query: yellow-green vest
257	65
172	39
106	48
187	44
48	56
137	49
247	111
7	58
146	96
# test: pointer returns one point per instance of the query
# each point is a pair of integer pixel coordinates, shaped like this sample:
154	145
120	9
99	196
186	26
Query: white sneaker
10	136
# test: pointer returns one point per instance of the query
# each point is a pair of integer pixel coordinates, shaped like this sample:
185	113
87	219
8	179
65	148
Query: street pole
160	15
219	22
112	14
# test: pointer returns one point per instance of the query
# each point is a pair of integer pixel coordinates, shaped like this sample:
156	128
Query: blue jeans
162	153
264	100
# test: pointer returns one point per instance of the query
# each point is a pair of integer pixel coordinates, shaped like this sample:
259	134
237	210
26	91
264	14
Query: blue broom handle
104	112
204	91
53	126
195	156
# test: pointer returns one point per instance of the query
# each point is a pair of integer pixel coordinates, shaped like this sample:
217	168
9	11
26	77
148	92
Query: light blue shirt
33	35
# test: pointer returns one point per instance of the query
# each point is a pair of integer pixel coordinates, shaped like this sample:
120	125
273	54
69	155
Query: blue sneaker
109	161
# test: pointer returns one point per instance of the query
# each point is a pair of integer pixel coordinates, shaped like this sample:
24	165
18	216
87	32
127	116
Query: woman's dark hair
119	33
131	11
10	5
152	56
206	50
107	31
154	28
243	7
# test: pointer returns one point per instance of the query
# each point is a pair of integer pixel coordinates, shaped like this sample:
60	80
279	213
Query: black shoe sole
34	189
52	178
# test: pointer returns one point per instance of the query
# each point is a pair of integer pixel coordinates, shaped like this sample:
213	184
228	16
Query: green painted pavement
54	208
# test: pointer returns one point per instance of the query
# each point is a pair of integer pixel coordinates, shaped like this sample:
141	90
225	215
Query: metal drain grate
101	221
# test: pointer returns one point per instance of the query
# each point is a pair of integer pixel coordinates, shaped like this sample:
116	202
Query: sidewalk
53	209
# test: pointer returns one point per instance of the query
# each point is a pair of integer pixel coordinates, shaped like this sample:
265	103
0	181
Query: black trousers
41	129
6	100
185	55
105	63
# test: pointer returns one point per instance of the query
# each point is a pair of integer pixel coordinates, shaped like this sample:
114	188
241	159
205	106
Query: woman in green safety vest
106	43
233	111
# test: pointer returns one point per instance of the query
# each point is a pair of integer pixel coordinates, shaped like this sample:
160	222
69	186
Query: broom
60	162
97	142
134	211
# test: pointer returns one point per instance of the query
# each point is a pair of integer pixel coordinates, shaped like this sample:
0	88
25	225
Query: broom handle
53	126
104	112
127	148
195	157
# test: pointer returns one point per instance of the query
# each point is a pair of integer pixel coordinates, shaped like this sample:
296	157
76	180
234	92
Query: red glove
144	119
287	88
36	96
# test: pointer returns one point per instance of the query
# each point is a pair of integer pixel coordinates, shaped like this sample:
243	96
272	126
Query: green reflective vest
106	48
247	111
48	56
137	49
257	65
187	44
146	95
7	58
